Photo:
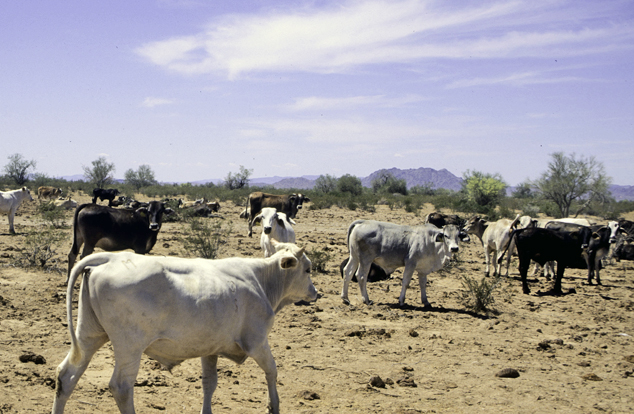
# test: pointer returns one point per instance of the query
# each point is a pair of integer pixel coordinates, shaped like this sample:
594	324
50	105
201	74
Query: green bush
39	248
319	260
478	296
206	237
53	215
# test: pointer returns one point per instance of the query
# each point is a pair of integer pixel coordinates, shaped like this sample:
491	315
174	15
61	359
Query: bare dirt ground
574	353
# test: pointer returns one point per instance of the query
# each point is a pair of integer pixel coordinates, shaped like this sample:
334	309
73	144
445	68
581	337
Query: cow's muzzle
154	227
455	249
267	230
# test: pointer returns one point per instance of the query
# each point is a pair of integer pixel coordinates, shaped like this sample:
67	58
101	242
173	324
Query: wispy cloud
341	37
316	103
151	102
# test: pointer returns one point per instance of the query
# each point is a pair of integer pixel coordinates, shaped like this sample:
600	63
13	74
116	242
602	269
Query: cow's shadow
435	309
552	292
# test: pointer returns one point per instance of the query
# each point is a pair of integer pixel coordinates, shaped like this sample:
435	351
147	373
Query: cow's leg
422	282
487	259
265	360
210	381
11	218
561	267
250	224
362	278
126	368
351	266
408	272
69	372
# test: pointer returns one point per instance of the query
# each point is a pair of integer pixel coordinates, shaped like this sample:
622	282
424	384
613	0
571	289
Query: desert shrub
205	238
478	295
39	248
52	215
319	260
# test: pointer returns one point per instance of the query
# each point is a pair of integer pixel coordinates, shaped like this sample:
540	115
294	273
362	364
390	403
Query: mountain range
413	177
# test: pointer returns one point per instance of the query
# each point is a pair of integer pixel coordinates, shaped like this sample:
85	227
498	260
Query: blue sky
197	88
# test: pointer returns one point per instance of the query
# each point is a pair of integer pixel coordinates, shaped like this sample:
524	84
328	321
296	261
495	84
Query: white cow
10	201
494	236
276	226
423	249
173	309
66	203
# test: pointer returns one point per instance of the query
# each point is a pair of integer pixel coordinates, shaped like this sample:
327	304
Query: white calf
275	226
10	201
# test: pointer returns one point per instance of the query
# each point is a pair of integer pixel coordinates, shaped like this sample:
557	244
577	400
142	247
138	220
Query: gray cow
423	249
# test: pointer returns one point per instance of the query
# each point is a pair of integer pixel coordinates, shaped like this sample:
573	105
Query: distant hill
420	177
622	192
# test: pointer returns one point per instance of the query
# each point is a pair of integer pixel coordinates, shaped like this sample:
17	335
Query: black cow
103	194
376	272
113	229
545	245
440	220
287	204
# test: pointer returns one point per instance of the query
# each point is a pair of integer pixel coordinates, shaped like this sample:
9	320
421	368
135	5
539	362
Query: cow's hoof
427	306
526	291
345	301
369	303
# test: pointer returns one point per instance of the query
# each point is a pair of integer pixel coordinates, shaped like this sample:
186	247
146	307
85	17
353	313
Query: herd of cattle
187	308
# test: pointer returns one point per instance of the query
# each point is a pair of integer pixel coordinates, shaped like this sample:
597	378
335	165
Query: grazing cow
423	249
624	250
544	245
494	237
275	226
10	201
120	201
66	204
112	229
440	220
103	194
287	204
376	273
188	204
46	192
626	226
174	309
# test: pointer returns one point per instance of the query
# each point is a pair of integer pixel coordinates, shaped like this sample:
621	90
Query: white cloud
340	37
151	102
315	103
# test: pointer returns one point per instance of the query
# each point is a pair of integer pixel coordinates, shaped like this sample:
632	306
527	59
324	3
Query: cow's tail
75	248
92	260
510	243
350	228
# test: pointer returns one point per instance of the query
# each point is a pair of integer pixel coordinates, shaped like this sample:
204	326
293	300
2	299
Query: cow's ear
440	237
142	211
595	235
280	222
292	197
464	236
288	262
306	198
257	219
168	211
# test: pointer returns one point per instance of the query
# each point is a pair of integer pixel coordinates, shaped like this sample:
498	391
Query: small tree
326	184
18	168
569	178
386	183
349	184
523	190
485	190
101	172
238	180
143	177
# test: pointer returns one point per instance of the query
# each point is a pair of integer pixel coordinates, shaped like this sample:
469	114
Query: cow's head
451	235
615	229
296	269
475	225
300	200
154	214
269	217
26	193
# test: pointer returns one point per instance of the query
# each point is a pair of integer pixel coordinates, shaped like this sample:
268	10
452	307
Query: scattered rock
413	333
377	382
508	373
591	377
308	395
31	357
629	358
406	382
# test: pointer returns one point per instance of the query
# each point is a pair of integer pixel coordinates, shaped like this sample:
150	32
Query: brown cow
48	192
287	204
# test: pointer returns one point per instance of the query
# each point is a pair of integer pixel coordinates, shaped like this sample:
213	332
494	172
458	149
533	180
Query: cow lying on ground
66	204
287	204
440	220
275	226
10	201
423	249
46	192
376	273
174	309
103	194
544	245
494	237
113	229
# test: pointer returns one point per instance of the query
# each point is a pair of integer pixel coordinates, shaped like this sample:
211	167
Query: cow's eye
308	270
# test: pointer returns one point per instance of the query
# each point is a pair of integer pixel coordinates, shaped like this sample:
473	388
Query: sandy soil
574	353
